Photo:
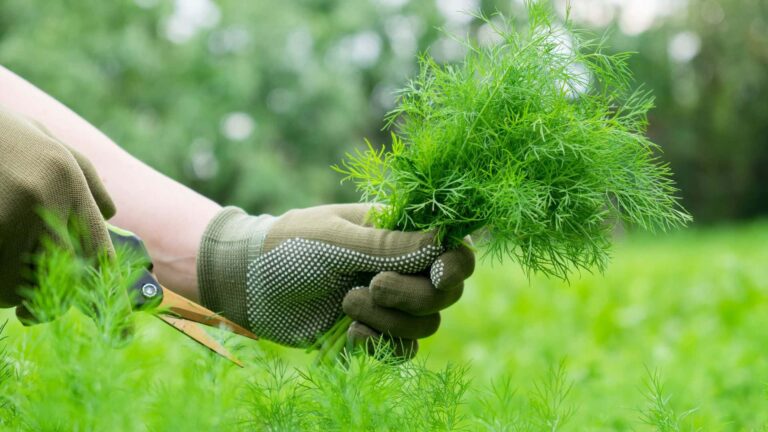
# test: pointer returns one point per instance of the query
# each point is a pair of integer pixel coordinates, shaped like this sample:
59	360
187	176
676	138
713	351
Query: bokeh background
250	102
230	96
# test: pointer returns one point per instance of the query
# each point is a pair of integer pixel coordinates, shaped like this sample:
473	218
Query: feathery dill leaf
536	143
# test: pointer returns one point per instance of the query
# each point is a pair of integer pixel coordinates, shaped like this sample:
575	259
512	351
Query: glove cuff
232	240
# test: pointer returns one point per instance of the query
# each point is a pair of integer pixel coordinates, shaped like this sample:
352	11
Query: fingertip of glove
363	337
358	332
381	347
452	267
355	300
25	316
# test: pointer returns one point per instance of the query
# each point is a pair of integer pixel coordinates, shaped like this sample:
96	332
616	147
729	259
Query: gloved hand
37	172
289	278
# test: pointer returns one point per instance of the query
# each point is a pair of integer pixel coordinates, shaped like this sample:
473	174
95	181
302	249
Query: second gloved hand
290	278
40	175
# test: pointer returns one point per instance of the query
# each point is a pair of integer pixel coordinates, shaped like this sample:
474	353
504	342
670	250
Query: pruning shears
179	312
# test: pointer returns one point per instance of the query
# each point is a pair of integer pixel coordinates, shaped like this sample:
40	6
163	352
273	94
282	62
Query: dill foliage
537	142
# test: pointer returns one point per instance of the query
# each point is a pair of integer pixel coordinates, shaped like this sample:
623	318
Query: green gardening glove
37	172
290	278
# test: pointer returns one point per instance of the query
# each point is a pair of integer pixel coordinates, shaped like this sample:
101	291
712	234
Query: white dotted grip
294	292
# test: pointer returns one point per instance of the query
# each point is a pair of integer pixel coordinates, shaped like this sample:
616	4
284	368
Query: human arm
395	283
148	203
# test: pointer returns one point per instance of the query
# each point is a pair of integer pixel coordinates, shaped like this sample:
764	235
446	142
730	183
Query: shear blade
192	311
192	330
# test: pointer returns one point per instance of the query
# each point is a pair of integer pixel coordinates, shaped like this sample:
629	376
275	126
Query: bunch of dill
536	144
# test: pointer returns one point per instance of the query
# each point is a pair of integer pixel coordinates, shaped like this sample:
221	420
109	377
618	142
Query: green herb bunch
537	143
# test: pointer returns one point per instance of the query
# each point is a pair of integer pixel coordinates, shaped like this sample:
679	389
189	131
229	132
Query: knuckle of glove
359	305
59	175
60	164
356	302
53	174
411	294
96	187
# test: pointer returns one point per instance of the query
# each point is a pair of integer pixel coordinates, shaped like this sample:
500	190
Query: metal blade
192	311
192	330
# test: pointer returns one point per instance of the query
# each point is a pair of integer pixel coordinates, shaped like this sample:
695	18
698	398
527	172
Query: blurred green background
229	96
226	96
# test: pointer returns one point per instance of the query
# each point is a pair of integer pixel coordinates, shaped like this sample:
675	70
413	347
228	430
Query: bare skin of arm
167	215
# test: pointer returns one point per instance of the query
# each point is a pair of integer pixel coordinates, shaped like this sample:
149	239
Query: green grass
671	338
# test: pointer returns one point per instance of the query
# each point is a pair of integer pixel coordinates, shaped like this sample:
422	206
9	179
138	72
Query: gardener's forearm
169	217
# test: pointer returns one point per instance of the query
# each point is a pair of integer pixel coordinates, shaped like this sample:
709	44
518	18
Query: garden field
249	103
672	337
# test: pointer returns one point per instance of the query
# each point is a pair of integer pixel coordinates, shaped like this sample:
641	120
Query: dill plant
68	375
536	143
6	407
658	412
